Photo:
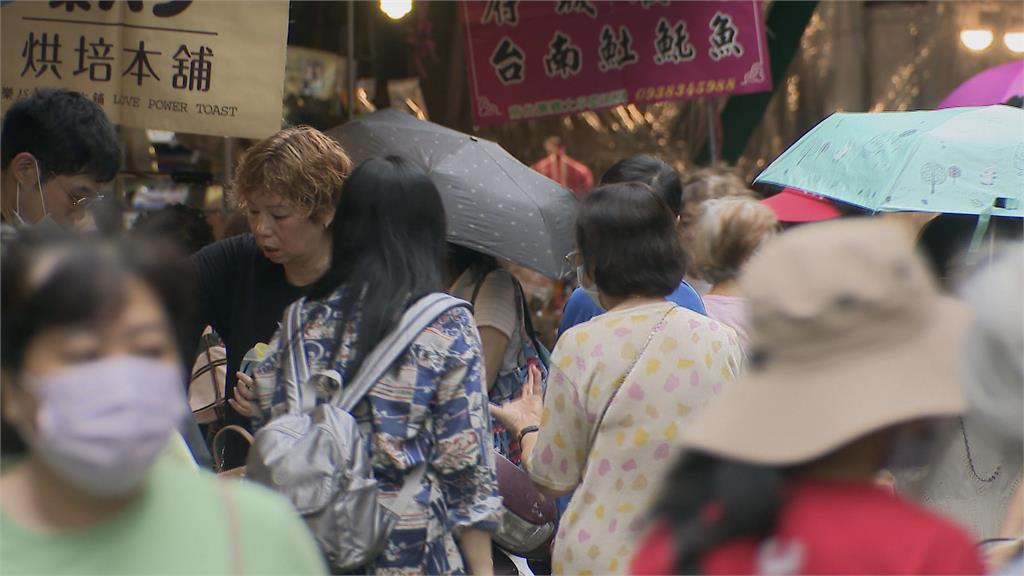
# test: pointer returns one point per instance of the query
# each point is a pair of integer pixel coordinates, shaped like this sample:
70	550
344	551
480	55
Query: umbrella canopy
792	205
495	203
958	161
993	86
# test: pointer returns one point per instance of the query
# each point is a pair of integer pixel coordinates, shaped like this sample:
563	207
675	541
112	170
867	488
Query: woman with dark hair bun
622	386
388	251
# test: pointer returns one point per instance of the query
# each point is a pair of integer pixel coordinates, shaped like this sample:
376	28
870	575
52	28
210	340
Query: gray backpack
318	457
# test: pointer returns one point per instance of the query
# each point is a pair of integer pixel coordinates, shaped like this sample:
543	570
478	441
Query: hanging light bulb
1014	41
396	9
976	39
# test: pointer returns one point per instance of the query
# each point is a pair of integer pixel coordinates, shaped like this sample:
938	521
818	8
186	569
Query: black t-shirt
243	295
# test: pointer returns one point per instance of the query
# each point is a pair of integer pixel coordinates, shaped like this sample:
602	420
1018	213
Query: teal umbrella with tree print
955	161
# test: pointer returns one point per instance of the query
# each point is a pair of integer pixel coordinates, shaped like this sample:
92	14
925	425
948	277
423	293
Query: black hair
85	285
661	177
461	258
388	248
184	225
66	132
1015	101
629	243
946	239
708	501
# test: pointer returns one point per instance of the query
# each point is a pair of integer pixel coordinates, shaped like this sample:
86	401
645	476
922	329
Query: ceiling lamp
1014	41
976	39
396	9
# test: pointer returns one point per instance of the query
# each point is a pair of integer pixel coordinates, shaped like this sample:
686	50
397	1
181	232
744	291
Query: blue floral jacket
431	406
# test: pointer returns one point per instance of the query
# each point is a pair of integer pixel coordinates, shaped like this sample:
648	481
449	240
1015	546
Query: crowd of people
734	390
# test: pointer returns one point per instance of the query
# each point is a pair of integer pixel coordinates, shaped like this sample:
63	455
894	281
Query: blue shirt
582	307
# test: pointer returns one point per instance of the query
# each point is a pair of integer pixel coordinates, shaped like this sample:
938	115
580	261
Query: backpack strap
412	485
295	366
415	320
476	289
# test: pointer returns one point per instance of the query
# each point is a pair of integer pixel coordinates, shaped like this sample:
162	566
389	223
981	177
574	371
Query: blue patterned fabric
430	407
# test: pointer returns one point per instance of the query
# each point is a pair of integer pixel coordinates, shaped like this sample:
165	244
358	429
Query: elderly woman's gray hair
728	232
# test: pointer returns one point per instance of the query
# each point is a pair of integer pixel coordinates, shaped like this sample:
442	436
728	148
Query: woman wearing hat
854	355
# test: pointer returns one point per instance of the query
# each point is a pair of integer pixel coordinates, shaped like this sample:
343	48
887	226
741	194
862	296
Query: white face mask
103	424
46	223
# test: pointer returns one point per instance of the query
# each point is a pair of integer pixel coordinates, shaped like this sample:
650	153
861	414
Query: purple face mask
102	425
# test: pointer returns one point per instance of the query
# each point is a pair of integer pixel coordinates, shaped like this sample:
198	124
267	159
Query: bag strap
409	489
476	289
524	307
218	455
416	319
295	367
658	327
527	316
218	390
522	301
234	528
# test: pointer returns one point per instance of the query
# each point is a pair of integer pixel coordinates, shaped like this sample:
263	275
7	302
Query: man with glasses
57	149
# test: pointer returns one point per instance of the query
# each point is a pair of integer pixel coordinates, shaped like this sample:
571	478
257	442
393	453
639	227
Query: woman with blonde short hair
728	232
288	186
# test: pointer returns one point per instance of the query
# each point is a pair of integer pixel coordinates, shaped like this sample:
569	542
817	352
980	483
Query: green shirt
180	525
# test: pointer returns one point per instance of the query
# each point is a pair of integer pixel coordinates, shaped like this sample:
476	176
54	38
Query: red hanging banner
533	59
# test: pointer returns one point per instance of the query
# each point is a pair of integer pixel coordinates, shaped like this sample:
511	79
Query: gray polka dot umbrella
495	203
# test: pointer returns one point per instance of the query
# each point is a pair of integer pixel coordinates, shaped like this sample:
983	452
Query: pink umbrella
993	86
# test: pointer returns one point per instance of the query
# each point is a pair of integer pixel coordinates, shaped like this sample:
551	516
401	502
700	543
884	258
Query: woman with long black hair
853	363
388	251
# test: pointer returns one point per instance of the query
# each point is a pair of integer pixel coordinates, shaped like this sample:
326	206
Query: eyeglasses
81	202
574	259
84	201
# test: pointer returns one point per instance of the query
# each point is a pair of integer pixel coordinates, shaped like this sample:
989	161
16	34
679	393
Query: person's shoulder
237	247
588	330
865	503
499	282
687	297
501	275
692	321
456	317
581	306
918	519
449	340
940	545
453	328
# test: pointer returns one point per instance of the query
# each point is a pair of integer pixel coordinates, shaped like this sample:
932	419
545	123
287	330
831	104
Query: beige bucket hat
849	335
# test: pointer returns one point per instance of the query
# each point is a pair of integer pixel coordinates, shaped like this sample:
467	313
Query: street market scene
502	287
